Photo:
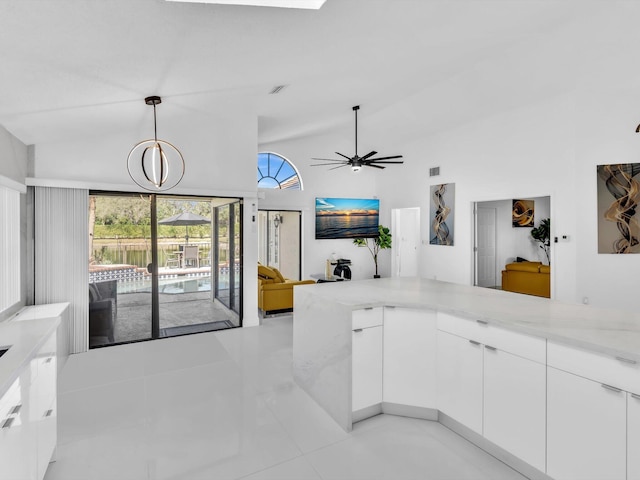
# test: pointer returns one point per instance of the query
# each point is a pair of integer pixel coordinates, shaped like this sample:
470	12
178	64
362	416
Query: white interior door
405	229
486	247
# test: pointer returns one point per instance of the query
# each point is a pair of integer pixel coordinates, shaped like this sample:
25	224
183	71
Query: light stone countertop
25	338
607	331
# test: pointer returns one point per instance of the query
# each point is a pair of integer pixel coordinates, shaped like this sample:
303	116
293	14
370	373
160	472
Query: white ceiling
76	67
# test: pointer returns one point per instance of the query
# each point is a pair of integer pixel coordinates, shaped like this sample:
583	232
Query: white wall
322	182
501	156
220	155
13	166
220	159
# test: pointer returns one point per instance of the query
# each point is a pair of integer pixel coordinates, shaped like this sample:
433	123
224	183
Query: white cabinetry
366	359
633	436
459	378
409	370
45	406
514	405
17	430
28	427
592	421
586	426
493	381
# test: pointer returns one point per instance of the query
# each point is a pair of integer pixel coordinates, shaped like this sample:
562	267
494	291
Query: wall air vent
277	89
434	171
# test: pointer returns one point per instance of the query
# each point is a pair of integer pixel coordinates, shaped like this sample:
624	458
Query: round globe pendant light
155	165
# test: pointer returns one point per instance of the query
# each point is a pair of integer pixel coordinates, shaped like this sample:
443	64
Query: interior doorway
405	228
280	241
499	240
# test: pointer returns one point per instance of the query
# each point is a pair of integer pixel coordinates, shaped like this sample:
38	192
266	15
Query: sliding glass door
152	271
228	245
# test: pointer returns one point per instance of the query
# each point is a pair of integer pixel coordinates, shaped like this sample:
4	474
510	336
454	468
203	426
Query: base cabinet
515	405
28	426
409	367
18	430
633	436
459	375
45	407
367	367
586	428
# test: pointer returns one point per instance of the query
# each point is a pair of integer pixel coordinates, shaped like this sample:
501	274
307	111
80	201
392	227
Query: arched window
275	171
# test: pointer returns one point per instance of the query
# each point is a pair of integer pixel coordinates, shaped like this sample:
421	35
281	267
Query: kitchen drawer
367	318
526	346
522	345
463	327
607	369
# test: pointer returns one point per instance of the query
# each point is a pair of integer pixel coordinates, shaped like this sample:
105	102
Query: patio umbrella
186	219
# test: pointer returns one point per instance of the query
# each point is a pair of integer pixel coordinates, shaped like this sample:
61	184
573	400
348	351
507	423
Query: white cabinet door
45	407
409	364
459	379
586	429
367	367
17	432
515	405
633	436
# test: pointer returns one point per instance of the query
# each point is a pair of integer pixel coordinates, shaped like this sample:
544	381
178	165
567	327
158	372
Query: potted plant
542	234
382	241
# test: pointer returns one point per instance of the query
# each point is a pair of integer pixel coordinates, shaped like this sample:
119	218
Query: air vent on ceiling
434	171
277	89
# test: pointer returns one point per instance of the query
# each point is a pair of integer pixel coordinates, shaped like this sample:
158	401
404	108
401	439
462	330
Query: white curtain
62	256
9	247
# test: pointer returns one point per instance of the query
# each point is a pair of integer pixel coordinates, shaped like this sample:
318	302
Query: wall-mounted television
347	218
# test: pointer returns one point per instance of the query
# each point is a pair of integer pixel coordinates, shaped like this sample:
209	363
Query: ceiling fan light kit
357	162
155	165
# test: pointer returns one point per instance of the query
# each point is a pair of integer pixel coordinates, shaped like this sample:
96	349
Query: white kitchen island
550	388
35	342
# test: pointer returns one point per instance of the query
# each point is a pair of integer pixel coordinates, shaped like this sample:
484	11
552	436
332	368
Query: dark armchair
103	310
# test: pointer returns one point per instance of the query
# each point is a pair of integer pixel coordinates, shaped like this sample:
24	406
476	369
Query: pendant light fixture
155	165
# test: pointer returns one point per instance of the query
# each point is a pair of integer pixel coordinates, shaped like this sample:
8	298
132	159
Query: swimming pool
174	285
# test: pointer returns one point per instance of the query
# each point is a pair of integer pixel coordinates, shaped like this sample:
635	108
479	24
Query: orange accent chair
275	293
531	278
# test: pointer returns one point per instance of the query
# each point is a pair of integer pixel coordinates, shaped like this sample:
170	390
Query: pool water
174	286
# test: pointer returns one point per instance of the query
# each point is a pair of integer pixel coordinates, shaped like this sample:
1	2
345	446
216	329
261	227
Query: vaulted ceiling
77	67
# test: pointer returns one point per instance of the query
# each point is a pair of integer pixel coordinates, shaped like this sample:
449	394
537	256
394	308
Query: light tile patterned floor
223	405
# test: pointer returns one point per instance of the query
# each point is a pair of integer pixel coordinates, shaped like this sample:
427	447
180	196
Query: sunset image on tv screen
347	218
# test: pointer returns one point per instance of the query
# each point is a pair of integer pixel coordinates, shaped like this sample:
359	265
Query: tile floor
223	405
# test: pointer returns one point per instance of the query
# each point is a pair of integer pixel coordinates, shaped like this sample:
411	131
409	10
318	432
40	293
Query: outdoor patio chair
172	260
103	298
190	256
205	260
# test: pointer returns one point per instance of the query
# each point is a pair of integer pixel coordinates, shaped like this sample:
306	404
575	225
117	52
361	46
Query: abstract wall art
442	214
522	213
618	198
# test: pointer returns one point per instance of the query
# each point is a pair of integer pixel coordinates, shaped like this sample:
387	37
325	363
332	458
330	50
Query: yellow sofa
275	293
531	278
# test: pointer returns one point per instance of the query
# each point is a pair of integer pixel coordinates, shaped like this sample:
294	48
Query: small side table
322	278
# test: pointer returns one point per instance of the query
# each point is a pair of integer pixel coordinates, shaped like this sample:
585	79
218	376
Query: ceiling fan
356	162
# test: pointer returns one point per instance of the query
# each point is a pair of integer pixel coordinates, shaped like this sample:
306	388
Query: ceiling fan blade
372	165
342	155
384	161
385	158
370	154
345	165
328	159
322	164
